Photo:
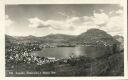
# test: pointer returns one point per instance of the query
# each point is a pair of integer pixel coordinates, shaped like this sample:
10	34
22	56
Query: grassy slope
105	66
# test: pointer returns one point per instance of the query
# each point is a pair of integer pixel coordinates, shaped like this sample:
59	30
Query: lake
66	52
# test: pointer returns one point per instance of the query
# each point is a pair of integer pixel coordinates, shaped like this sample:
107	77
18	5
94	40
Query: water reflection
65	52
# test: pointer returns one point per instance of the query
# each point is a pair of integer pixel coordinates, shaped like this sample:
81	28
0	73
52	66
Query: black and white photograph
64	40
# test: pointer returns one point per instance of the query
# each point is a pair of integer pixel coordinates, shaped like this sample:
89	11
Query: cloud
100	18
54	24
113	24
37	23
8	21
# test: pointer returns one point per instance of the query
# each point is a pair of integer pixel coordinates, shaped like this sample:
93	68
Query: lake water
65	52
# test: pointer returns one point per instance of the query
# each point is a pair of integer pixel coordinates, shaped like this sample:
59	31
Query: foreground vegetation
108	65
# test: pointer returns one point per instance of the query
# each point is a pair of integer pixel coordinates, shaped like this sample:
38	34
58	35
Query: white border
62	1
2	40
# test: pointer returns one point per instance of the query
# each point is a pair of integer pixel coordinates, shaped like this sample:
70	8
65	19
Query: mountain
92	36
96	35
57	38
9	39
30	37
121	40
51	38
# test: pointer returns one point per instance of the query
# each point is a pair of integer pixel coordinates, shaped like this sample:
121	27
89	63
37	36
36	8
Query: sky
70	19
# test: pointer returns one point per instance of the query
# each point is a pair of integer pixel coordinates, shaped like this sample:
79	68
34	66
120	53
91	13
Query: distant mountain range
57	38
91	36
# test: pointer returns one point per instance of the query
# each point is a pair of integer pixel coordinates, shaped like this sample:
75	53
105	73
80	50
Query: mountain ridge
90	36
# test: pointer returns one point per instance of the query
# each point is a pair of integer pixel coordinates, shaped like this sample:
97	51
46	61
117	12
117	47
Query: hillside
52	38
96	35
9	39
57	38
121	40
